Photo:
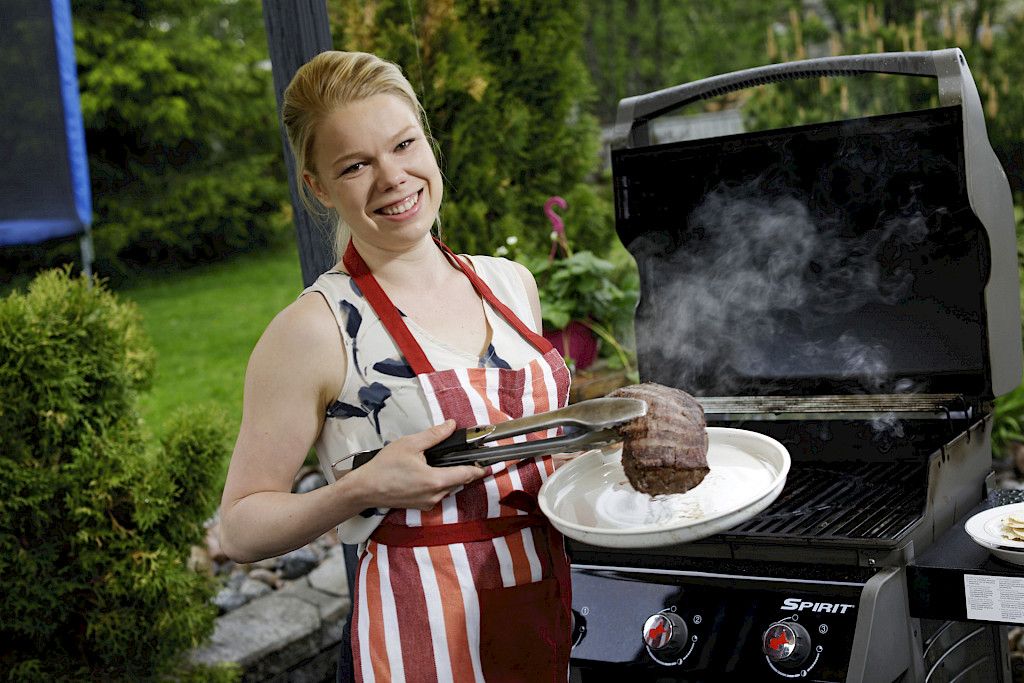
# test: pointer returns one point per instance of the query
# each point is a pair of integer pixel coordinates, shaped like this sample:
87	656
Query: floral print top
381	399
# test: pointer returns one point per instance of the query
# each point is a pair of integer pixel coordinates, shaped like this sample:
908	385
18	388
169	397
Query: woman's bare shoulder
306	323
303	341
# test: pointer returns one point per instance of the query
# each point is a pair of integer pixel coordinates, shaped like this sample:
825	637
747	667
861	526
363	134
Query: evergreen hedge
507	95
182	136
96	524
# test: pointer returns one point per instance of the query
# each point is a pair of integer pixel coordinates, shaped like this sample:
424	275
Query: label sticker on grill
994	598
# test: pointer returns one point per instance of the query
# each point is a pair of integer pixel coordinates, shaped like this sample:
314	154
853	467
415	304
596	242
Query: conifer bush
96	523
506	94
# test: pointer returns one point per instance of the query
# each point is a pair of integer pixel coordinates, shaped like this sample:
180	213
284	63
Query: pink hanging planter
576	342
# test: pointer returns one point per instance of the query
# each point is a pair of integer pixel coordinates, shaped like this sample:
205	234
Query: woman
459	578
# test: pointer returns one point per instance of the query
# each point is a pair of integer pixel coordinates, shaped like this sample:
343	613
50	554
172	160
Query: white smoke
759	268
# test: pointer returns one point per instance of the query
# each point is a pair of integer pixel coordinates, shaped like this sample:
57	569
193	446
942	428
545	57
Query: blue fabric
36	230
44	173
67	67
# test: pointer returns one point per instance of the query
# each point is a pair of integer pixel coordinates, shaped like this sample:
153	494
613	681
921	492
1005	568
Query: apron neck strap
386	311
392	319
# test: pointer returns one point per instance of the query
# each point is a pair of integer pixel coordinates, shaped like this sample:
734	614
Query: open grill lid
870	256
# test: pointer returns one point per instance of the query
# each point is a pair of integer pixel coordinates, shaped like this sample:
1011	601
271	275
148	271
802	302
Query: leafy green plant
581	286
181	129
989	33
1008	421
1008	416
96	522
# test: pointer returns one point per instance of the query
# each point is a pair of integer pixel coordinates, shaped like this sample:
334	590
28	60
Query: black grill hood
876	255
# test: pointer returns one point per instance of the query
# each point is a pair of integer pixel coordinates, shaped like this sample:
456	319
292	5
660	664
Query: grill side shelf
936	578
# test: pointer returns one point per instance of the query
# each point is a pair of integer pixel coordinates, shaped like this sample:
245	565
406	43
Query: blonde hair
323	85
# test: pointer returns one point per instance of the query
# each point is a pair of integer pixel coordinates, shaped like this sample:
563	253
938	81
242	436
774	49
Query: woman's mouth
402	207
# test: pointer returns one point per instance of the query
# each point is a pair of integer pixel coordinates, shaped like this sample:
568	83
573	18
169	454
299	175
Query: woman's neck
420	265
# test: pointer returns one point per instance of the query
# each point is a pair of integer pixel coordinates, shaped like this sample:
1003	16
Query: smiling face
375	167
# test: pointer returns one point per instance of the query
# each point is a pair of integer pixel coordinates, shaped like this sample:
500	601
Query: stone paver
330	576
259	628
291	634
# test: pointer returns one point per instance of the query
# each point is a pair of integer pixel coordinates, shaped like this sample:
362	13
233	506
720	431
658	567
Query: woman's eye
405	143
353	168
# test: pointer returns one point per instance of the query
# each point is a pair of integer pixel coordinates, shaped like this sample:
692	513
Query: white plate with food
589	499
1000	530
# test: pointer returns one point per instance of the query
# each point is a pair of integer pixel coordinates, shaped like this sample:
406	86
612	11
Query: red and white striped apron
478	588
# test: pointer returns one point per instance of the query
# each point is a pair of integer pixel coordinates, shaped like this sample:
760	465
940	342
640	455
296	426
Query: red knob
786	642
665	633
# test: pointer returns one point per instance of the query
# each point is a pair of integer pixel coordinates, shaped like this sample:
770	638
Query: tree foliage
506	93
990	33
639	46
96	525
181	132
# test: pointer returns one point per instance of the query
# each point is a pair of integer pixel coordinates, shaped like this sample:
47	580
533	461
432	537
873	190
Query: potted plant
580	301
581	304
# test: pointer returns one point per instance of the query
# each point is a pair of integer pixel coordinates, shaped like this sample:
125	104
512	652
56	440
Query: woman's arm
296	369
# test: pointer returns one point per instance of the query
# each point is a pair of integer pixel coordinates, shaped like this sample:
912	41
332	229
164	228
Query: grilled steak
665	451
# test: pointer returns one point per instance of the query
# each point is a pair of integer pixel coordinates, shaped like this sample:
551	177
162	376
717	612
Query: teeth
402	207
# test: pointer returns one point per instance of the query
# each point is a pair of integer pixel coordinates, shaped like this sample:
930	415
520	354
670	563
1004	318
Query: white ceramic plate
985	528
589	498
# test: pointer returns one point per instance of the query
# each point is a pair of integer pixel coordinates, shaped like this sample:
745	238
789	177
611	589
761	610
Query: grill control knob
786	643
665	633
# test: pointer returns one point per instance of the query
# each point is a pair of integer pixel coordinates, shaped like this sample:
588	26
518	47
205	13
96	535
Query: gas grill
851	289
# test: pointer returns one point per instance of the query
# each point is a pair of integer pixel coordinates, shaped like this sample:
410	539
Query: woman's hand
399	476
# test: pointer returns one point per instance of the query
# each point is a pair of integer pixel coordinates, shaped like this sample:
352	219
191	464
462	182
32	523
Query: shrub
182	136
506	94
96	524
988	33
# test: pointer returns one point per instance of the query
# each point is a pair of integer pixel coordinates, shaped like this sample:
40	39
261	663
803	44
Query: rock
310	482
252	635
265	576
251	588
330	577
328	540
213	544
228	599
268	563
199	561
298	563
238	575
222	568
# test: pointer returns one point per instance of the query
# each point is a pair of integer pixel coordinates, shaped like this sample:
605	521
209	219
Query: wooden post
297	31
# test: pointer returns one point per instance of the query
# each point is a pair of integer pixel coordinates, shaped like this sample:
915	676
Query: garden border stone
291	634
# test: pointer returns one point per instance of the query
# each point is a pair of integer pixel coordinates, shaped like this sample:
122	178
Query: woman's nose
390	174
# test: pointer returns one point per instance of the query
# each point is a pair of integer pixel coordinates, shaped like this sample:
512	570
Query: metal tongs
587	424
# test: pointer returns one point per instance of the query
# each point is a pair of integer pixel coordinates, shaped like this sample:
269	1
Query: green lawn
204	323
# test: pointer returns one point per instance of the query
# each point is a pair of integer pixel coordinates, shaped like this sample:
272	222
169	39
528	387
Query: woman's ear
318	191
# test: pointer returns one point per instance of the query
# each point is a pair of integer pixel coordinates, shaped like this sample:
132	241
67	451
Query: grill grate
844	500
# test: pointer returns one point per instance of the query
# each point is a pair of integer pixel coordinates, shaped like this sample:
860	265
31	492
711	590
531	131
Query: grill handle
948	66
